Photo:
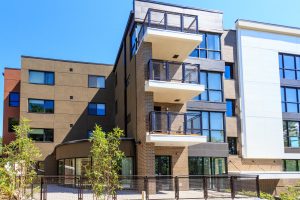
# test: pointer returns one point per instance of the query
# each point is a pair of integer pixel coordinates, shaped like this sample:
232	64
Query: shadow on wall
230	40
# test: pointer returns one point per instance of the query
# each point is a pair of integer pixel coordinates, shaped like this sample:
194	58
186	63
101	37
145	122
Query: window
14	99
96	81
230	108
163	165
228	71
207	166
291	134
40	167
96	109
291	165
232	145
127	166
133	41
213	87
89	134
212	126
82	166
11	123
40	106
41	77
290	99
41	135
289	66
209	47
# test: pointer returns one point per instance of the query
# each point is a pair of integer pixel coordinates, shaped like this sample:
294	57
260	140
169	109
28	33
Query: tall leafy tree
106	159
17	167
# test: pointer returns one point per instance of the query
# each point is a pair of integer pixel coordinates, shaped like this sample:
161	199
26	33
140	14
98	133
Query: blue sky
91	30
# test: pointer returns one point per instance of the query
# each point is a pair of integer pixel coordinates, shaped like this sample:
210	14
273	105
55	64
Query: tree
17	167
106	161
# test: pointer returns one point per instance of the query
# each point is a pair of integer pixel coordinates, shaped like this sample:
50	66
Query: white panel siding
262	132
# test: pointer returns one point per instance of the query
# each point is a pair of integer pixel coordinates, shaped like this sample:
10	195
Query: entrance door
164	182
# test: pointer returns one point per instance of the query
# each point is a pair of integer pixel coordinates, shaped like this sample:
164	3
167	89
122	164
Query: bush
267	196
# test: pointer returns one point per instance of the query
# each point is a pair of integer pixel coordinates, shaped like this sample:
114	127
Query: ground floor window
291	165
207	166
162	165
127	166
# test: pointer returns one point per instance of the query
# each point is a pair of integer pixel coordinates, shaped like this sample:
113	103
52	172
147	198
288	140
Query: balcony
175	129
173	35
173	82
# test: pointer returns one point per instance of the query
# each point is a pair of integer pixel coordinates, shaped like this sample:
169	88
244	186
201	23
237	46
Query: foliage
292	193
106	159
18	163
267	196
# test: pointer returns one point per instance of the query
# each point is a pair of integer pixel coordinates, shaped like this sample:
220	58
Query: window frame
284	69
231	73
97	76
133	47
230	141
44	136
198	48
208	90
89	113
45	72
285	102
287	142
44	111
233	107
9	99
211	166
297	165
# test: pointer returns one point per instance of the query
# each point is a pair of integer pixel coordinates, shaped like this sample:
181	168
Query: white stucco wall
260	98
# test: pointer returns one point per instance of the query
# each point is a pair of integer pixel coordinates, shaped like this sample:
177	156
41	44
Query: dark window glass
89	133
41	135
206	166
232	145
40	106
290	99
96	81
14	99
228	71
163	165
41	77
291	165
213	87
230	111
212	125
289	66
133	42
12	122
291	134
209	47
96	109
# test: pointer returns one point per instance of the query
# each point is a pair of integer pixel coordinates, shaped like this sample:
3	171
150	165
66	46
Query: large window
209	47
41	135
213	87
14	99
291	134
230	108
40	106
96	109
212	126
232	145
291	165
41	77
207	166
289	66
96	81
290	99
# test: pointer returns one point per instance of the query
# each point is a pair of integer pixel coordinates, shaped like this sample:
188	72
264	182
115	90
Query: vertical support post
166	20
152	122
167	71
198	73
185	123
176	188
41	188
150	68
205	192
146	187
183	73
149	17
257	187
181	23
169	122
232	187
197	25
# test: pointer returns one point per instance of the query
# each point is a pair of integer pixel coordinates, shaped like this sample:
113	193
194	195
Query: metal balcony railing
175	123
167	20
292	141
174	71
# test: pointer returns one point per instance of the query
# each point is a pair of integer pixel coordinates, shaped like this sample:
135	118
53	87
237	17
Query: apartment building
191	97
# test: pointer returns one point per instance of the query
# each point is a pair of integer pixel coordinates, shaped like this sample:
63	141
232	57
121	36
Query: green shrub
264	195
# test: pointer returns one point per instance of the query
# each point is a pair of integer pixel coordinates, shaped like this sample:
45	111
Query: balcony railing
175	123
167	20
174	71
292	141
